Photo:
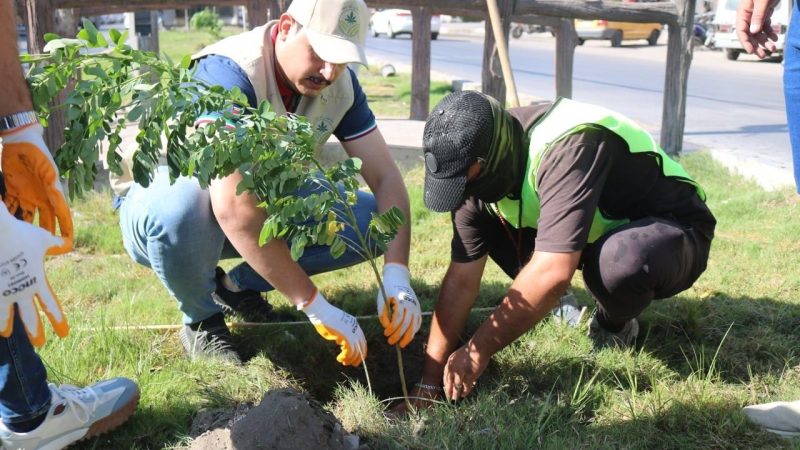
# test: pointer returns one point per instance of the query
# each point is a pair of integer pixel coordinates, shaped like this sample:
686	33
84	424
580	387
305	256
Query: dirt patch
285	419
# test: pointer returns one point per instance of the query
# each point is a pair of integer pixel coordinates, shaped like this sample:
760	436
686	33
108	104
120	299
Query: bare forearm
533	294
456	299
14	94
241	221
391	192
273	262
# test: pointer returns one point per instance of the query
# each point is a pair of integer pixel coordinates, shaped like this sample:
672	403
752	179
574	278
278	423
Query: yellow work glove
400	316
23	281
336	325
32	184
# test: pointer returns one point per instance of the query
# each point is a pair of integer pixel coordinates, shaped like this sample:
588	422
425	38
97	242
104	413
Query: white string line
240	324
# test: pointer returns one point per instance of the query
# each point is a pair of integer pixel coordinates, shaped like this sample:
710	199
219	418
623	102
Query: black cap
458	131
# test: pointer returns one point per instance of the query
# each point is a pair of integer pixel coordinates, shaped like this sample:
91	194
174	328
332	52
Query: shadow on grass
686	334
684	425
300	351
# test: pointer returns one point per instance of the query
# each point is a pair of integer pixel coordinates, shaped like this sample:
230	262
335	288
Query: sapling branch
113	85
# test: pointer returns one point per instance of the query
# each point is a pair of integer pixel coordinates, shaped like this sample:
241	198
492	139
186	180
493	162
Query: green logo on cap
348	22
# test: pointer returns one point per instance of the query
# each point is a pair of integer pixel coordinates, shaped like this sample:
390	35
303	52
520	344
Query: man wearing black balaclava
544	190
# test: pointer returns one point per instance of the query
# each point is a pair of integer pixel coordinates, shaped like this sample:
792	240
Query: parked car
724	24
392	22
616	32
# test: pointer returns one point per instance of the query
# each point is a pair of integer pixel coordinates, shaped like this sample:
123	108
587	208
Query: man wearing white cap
298	64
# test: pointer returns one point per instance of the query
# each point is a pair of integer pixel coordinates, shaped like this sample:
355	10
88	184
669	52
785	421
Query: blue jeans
791	88
172	229
24	394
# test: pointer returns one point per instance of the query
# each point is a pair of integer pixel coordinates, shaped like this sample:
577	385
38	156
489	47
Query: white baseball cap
336	29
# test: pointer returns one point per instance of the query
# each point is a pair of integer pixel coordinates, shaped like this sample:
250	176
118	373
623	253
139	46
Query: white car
392	22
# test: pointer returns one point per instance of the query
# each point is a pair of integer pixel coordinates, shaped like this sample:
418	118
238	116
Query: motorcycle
517	29
703	30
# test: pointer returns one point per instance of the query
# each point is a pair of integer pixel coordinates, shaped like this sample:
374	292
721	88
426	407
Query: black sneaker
622	339
247	304
209	338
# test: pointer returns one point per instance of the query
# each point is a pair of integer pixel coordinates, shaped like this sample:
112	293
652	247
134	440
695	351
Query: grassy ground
731	340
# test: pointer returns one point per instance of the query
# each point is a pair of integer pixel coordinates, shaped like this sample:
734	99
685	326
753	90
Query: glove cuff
23	133
314	305
396	270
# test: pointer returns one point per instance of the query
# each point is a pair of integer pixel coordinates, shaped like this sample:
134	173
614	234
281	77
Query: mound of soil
285	419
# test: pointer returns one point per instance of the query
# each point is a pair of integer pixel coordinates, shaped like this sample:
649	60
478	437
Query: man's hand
400	316
22	279
32	184
463	368
336	325
754	27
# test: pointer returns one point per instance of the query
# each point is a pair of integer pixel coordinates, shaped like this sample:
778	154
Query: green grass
729	341
392	95
178	42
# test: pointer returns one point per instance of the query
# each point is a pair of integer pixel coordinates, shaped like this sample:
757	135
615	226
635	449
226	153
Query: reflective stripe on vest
568	117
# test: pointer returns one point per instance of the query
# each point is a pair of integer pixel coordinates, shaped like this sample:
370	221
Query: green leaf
298	246
338	247
114	35
91	31
135	113
50	36
122	39
186	61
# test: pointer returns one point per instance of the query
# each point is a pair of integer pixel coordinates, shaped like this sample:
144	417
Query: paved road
733	108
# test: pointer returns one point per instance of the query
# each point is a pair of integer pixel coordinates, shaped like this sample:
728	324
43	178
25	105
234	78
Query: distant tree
207	20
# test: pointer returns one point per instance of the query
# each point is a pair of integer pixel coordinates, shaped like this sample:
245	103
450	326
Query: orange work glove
333	324
23	281
401	315
32	184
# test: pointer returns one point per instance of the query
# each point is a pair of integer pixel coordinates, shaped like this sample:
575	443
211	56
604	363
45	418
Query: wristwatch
16	120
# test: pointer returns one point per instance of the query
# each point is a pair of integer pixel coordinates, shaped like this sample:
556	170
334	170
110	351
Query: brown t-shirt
588	170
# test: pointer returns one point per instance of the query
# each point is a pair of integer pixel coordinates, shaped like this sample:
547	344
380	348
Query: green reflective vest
567	117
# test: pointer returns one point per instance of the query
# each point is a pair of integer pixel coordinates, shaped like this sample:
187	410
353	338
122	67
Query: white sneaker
77	414
777	417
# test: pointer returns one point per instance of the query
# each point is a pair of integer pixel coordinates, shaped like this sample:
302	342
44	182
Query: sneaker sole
113	421
98	428
783	432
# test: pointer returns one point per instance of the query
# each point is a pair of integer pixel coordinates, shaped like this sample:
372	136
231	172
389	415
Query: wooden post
186	18
679	60
67	22
274	9
154	44
257	13
566	40
41	20
491	76
420	62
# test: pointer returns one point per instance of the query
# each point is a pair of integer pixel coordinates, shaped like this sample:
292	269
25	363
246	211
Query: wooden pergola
678	15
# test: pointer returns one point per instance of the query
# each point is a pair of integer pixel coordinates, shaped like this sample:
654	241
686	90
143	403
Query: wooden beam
131	5
662	12
679	60
420	62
